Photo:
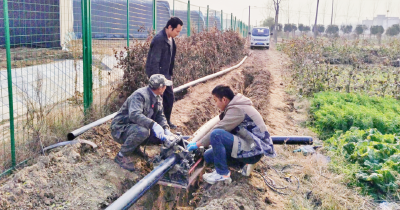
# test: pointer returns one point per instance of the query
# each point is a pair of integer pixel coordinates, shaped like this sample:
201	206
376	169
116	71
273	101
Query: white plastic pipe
182	87
204	129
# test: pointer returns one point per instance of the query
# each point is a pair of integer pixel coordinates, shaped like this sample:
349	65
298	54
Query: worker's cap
159	80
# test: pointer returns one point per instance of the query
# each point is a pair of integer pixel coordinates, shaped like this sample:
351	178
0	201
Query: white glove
167	132
159	131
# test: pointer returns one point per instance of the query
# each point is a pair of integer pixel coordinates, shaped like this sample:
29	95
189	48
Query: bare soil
78	177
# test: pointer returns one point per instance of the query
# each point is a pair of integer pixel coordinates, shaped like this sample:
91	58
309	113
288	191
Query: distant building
382	20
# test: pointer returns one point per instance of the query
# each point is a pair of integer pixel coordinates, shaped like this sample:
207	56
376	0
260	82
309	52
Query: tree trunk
379	38
315	24
276	21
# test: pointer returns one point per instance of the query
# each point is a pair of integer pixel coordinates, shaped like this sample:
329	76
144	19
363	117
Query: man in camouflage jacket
140	120
240	136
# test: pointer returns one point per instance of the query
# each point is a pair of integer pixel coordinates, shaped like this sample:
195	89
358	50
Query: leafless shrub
197	56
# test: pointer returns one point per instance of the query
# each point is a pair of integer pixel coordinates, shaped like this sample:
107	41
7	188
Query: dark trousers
220	154
134	136
168	102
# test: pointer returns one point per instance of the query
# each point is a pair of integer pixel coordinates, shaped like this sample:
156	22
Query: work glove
167	132
159	131
192	146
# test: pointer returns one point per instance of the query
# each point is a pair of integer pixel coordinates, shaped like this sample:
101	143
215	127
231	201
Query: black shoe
171	126
125	162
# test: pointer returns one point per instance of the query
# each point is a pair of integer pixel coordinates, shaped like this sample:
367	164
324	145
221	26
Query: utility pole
315	24
332	13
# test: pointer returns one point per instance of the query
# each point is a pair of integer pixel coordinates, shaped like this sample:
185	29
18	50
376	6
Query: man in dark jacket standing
160	60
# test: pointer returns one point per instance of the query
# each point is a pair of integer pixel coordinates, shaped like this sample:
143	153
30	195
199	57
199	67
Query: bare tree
309	6
324	13
359	11
332	13
334	16
268	11
276	7
348	11
315	24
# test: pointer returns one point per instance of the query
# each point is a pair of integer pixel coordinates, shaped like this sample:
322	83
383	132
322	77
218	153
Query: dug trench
78	177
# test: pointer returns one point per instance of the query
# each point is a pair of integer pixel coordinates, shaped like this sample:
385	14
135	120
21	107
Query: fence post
235	24
87	55
127	23
215	19
188	19
231	21
9	80
208	10
154	15
241	28
222	21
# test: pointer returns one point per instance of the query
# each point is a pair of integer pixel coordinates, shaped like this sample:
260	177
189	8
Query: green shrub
332	111
378	156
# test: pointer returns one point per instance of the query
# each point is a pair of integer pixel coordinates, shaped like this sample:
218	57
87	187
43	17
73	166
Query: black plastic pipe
298	140
81	130
139	189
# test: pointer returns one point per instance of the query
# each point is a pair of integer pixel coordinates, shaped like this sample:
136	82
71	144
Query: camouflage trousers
131	136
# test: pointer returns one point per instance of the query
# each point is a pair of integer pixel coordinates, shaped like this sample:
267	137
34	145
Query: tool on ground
307	150
175	166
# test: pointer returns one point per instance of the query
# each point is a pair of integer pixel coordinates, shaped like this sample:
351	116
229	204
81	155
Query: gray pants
133	136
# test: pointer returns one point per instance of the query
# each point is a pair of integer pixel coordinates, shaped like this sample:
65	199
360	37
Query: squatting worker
240	136
140	120
160	60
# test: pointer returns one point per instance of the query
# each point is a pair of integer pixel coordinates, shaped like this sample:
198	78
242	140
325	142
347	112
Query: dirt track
75	177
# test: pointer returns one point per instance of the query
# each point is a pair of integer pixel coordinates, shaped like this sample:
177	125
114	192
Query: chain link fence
58	65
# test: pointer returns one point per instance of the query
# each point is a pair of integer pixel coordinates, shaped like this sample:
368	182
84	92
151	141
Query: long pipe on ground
275	139
182	87
292	140
139	189
81	130
204	129
132	195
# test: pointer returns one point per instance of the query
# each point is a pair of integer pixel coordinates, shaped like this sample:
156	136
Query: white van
260	37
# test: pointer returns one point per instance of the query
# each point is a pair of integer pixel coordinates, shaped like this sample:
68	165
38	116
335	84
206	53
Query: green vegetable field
364	131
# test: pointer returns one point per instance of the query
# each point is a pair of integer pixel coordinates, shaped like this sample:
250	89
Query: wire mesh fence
46	80
180	11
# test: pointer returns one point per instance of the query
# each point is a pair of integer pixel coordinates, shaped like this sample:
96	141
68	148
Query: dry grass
320	187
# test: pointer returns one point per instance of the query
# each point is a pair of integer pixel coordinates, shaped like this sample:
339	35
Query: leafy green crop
340	111
378	156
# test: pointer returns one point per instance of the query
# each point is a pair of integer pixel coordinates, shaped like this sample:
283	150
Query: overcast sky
303	11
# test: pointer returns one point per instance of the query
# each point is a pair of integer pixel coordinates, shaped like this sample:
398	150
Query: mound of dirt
65	179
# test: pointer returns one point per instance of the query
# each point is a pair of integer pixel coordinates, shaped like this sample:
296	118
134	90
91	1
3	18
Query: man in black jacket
160	60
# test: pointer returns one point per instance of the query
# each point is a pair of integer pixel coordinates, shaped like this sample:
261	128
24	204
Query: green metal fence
57	66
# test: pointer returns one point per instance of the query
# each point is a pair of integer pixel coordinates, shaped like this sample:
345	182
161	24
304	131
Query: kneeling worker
140	120
240	136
